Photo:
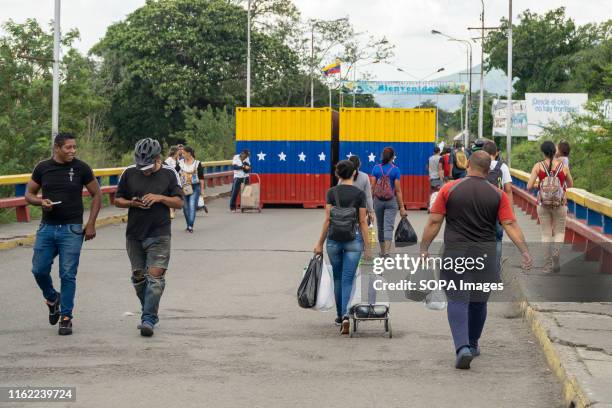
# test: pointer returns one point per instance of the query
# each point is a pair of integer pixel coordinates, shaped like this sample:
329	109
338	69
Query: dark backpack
342	221
382	189
495	175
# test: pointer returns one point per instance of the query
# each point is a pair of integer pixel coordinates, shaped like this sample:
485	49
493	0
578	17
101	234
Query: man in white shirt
499	175
242	166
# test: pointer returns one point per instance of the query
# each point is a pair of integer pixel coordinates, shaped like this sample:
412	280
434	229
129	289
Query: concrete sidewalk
576	337
23	233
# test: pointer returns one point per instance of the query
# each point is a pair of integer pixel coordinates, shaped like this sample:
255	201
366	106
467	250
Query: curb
101	222
573	394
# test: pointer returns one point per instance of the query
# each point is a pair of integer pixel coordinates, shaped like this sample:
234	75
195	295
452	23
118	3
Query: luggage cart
250	199
370	310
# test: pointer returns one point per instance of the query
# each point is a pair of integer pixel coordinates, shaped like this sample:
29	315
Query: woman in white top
191	174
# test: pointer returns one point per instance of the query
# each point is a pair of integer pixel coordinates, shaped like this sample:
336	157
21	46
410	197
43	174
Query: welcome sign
405	87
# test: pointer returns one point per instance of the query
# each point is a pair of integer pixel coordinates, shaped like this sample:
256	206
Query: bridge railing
216	173
589	221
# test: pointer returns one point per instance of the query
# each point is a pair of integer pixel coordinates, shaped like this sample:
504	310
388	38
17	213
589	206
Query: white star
261	156
282	156
322	157
302	156
348	156
371	157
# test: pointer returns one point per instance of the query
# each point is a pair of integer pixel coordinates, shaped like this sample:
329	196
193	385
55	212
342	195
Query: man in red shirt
471	207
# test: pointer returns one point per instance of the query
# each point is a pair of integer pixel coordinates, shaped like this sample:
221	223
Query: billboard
546	108
405	87
519	118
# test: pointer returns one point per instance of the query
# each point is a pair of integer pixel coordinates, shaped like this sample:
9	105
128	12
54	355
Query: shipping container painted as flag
365	132
290	150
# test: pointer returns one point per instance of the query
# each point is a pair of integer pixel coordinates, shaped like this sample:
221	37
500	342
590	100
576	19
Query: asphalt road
231	333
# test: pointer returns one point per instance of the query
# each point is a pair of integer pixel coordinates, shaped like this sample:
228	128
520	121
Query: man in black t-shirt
61	231
149	188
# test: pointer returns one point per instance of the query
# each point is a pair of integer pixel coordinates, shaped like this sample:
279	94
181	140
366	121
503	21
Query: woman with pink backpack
387	193
552	178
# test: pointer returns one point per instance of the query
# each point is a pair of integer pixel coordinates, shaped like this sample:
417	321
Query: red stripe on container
304	189
415	191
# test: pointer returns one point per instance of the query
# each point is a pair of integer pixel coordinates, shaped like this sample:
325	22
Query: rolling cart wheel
388	332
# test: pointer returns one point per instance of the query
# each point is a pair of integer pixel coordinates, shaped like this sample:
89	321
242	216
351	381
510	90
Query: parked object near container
290	150
410	132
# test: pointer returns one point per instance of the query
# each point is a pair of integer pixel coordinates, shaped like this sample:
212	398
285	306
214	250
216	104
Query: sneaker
146	329
338	321
54	310
464	358
190	229
65	326
344	329
475	351
205	208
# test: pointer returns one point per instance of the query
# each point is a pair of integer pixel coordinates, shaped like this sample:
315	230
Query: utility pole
509	97
312	66
481	104
56	59
248	89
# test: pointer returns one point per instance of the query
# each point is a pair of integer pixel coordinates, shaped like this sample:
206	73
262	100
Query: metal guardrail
216	173
588	226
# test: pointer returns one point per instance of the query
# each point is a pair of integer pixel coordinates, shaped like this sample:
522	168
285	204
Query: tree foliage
552	54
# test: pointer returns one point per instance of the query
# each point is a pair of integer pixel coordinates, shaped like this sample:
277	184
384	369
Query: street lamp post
481	102
468	99
56	58
248	86
509	95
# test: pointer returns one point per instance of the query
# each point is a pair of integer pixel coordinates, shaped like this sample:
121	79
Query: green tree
552	54
26	52
170	55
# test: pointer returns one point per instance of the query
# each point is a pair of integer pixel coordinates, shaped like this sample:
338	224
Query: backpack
461	160
551	191
495	175
342	221
382	189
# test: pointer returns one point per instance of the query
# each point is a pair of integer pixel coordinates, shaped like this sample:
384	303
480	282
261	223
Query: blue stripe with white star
411	156
288	157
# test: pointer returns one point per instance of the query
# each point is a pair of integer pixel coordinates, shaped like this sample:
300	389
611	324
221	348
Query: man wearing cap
148	188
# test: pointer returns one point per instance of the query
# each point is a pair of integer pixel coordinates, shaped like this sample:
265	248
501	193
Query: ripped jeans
153	252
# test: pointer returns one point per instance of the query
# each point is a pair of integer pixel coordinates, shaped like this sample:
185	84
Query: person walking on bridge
61	231
553	178
387	193
345	228
499	176
191	175
471	207
148	188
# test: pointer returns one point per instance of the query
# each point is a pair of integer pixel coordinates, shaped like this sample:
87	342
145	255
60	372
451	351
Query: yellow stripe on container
387	125
271	124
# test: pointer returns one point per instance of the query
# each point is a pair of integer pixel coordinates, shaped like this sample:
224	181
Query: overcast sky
405	23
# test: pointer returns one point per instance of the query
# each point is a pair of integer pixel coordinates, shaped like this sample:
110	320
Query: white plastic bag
435	300
326	300
201	202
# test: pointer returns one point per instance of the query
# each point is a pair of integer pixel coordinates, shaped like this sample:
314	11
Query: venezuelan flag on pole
333	68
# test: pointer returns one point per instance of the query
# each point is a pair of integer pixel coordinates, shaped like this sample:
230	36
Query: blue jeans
344	258
467	310
190	205
236	190
152	252
53	240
